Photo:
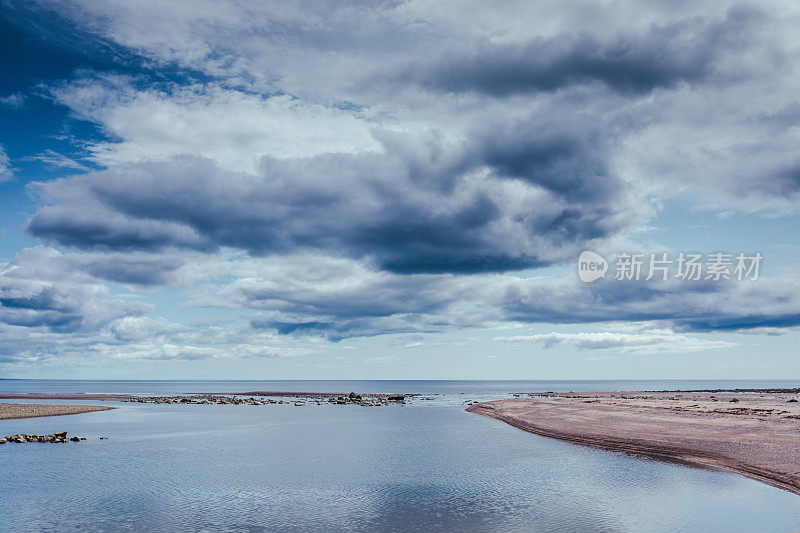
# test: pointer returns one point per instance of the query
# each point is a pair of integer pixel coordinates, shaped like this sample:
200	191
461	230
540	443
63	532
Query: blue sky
395	190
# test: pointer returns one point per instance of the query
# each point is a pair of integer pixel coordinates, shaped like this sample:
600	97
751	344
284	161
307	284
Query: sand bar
22	410
756	434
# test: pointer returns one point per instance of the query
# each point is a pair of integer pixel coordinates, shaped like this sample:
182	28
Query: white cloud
6	171
53	159
234	128
40	290
649	341
14	101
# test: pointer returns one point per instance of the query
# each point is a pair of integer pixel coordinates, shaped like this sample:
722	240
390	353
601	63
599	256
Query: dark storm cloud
661	57
54	320
131	268
526	195
784	181
333	331
341	329
688	306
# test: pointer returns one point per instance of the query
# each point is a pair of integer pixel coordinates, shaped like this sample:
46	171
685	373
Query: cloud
689	306
420	205
331	171
652	341
660	57
37	290
55	306
14	101
6	171
130	268
158	339
335	298
142	338
53	159
232	127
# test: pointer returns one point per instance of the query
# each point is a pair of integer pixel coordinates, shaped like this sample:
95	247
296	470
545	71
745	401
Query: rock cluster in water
357	399
207	399
57	437
201	400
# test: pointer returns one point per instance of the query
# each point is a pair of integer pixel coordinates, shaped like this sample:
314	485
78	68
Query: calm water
424	467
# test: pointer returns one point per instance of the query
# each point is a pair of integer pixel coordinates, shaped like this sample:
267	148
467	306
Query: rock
354	396
396	398
60	435
103	438
75	439
2	441
299	403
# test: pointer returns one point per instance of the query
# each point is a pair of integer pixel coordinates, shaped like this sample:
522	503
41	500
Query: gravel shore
756	434
23	410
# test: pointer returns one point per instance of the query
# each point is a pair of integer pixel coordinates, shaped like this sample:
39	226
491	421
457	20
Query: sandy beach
20	410
754	433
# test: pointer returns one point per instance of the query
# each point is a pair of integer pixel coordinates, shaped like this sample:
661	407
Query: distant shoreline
755	433
13	411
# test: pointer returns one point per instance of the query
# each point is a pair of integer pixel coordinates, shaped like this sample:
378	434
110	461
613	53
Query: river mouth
424	466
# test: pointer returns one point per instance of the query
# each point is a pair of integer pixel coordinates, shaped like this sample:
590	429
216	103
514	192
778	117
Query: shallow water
427	466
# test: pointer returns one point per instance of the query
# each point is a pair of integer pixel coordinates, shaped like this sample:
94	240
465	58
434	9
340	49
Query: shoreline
227	398
16	411
757	438
114	397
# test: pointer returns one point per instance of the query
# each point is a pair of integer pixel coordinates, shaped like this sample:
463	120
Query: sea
425	466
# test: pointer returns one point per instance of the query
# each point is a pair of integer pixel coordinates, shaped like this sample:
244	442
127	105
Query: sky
397	190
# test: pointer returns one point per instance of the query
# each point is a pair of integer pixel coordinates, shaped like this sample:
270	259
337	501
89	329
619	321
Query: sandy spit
22	410
755	434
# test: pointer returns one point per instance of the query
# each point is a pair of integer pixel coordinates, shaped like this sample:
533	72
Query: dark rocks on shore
57	437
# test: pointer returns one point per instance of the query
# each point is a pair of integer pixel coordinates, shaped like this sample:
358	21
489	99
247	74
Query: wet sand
21	410
756	434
